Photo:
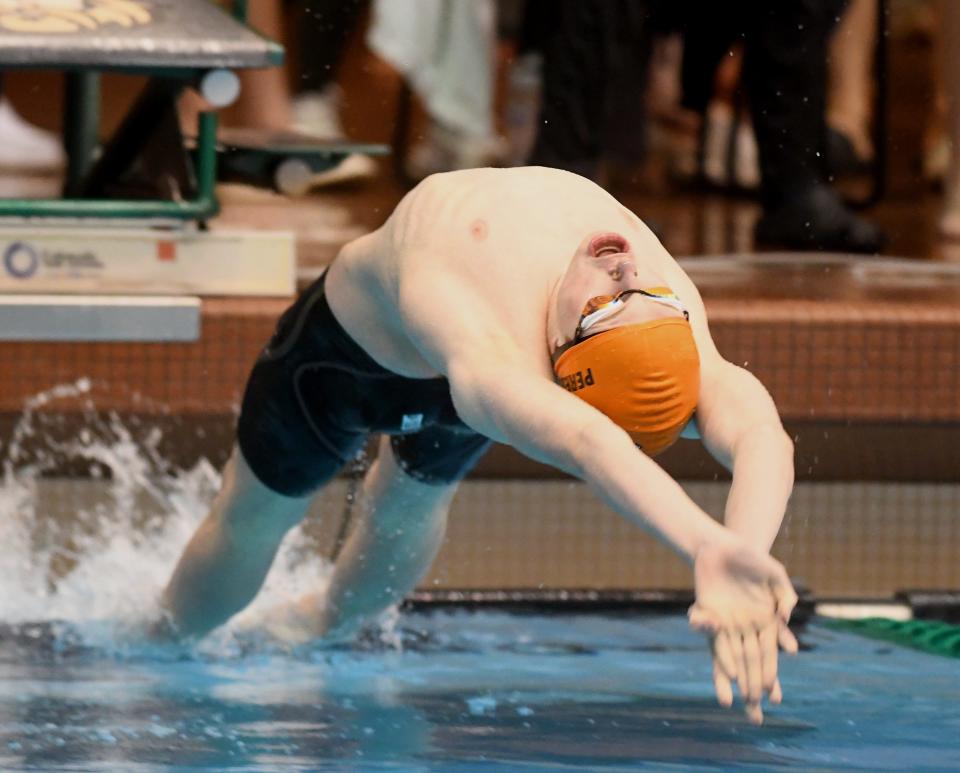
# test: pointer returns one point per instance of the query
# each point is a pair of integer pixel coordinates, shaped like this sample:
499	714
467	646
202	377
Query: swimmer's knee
247	504
240	476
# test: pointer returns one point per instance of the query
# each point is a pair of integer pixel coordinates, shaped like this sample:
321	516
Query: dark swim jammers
314	397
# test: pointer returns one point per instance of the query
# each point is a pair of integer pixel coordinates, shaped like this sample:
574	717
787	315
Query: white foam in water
119	552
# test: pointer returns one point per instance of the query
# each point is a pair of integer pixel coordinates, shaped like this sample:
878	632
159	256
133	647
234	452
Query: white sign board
146	262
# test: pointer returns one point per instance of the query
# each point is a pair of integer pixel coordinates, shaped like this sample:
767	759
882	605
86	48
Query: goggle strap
617	303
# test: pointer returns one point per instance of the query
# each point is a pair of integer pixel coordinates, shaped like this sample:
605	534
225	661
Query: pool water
462	691
84	561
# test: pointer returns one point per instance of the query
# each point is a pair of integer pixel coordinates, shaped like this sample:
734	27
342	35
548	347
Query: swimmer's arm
738	423
513	405
741	428
499	393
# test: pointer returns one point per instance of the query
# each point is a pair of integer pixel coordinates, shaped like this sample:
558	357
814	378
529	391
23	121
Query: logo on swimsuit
411	422
577	381
56	16
21	260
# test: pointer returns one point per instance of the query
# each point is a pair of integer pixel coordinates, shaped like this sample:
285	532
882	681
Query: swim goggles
603	307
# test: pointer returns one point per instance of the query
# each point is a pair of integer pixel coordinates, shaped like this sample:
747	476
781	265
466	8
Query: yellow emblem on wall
51	16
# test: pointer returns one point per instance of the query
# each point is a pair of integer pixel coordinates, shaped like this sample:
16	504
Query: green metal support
240	10
207	161
82	126
106	209
134	148
203	207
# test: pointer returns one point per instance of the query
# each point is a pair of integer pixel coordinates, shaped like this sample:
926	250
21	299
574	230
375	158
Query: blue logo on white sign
21	260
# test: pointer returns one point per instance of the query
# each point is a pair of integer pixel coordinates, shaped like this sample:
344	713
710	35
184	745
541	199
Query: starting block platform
288	161
129	35
146	170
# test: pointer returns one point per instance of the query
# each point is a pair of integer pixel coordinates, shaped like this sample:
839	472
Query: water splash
95	551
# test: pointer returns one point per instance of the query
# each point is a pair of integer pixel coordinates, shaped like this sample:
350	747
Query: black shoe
841	157
818	220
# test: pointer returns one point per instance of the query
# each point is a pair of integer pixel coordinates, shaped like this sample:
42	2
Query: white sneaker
317	113
25	147
446	150
936	161
716	144
746	157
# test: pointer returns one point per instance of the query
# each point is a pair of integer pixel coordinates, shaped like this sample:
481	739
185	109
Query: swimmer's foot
818	220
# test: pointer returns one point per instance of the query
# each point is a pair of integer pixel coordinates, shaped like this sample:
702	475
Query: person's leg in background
323	26
625	129
265	96
710	74
850	88
264	101
447	53
593	48
950	26
524	77
785	71
936	139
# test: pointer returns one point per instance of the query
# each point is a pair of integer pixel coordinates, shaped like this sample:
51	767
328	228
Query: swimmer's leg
229	555
400	528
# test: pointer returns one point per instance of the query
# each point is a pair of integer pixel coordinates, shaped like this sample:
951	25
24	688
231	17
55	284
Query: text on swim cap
577	381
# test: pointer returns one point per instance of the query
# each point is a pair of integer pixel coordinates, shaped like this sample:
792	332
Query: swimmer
523	306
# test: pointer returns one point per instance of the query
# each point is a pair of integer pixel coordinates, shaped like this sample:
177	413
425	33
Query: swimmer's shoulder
439	195
446	200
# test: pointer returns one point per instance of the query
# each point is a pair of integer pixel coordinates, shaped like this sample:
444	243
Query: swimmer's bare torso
499	240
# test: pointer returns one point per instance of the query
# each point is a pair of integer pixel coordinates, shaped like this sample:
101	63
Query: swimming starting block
146	169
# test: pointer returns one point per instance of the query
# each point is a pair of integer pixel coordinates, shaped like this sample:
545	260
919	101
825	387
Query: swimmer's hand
743	603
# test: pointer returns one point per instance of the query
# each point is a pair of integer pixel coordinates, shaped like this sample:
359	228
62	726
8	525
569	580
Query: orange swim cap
645	377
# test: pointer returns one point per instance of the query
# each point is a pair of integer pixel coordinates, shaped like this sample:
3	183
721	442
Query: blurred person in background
728	156
595	61
728	149
850	90
323	29
950	62
446	51
785	78
266	99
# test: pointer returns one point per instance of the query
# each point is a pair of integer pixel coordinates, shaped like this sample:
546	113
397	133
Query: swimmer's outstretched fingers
744	600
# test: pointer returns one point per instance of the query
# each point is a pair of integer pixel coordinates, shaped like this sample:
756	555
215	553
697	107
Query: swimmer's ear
691	431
